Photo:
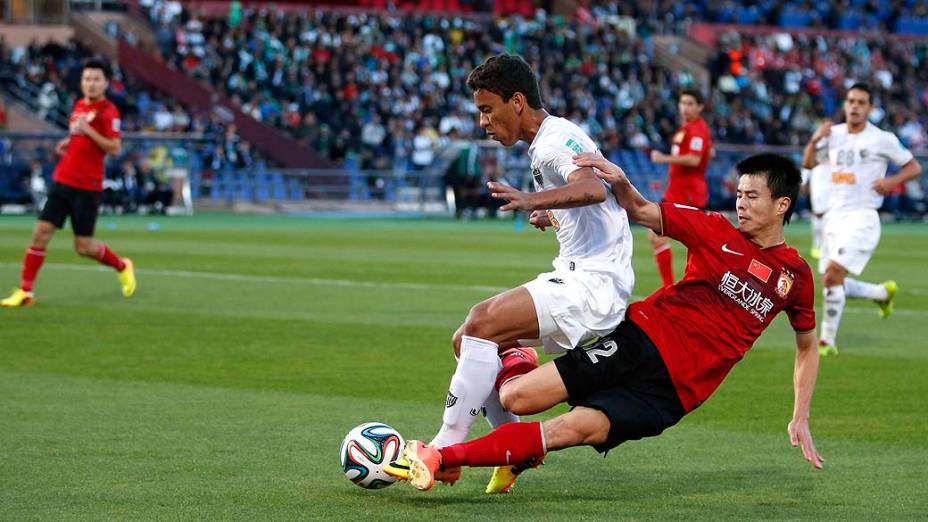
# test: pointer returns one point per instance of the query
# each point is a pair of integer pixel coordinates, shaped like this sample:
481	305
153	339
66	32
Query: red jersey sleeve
111	124
690	225
801	311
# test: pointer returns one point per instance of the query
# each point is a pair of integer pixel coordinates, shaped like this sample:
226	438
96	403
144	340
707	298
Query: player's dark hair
95	63
783	177
505	75
861	86
694	93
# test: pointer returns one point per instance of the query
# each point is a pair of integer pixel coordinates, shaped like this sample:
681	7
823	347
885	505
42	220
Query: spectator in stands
464	177
343	68
37	180
424	144
156	187
780	81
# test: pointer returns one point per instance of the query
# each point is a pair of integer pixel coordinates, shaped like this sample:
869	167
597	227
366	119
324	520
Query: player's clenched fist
540	220
823	132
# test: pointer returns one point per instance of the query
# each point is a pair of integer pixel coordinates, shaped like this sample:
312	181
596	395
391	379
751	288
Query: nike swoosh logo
730	251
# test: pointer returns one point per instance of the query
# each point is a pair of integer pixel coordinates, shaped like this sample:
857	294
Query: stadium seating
784	84
905	17
432	70
302	73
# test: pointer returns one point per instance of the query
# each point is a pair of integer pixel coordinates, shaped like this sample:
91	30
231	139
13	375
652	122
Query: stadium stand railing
190	158
266	138
194	160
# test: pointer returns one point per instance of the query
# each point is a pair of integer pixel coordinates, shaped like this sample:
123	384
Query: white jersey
857	160
819	180
595	237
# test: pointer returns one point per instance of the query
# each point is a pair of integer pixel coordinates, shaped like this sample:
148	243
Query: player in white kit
859	154
586	294
818	181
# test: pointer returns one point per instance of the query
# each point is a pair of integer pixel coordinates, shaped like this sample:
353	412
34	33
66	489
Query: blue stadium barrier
849	22
748	15
278	189
791	18
911	25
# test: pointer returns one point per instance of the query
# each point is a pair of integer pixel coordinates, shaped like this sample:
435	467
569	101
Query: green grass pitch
222	390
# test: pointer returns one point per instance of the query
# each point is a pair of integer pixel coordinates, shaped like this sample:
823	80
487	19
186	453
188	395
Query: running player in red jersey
77	186
689	156
674	348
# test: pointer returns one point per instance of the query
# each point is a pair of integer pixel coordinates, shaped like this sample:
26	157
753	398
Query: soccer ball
366	449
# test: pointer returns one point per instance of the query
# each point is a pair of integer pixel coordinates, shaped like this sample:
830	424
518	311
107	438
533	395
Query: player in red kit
674	348
688	159
77	186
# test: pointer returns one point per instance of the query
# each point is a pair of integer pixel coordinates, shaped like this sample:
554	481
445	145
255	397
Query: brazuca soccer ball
366	449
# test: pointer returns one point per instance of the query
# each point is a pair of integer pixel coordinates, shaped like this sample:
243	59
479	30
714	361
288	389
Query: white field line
312	281
315	281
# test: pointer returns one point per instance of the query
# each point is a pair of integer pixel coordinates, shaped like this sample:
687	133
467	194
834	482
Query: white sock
495	413
817	230
834	306
471	384
855	288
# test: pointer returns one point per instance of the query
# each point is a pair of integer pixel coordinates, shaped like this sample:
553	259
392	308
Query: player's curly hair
504	75
783	177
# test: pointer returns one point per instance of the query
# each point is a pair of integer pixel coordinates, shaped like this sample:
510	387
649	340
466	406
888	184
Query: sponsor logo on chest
742	292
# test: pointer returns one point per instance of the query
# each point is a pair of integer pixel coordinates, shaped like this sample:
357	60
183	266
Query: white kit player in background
817	181
859	154
586	294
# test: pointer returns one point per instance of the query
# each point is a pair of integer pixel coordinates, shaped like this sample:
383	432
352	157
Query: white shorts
576	306
849	239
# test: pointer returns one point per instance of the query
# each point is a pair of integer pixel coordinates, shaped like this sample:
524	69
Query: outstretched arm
688	160
582	189
640	210
804	375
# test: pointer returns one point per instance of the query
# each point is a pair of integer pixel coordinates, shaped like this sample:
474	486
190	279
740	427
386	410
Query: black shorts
82	206
623	376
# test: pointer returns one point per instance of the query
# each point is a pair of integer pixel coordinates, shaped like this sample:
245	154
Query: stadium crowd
138	178
393	87
52	70
885	16
775	88
333	80
387	91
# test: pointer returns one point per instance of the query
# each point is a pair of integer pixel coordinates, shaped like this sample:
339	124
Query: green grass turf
221	391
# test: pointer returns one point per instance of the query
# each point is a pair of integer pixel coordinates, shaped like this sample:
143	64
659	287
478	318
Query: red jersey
82	164
730	293
687	185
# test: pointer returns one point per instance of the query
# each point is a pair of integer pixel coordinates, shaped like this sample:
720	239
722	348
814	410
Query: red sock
511	443
515	363
664	258
35	256
108	258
